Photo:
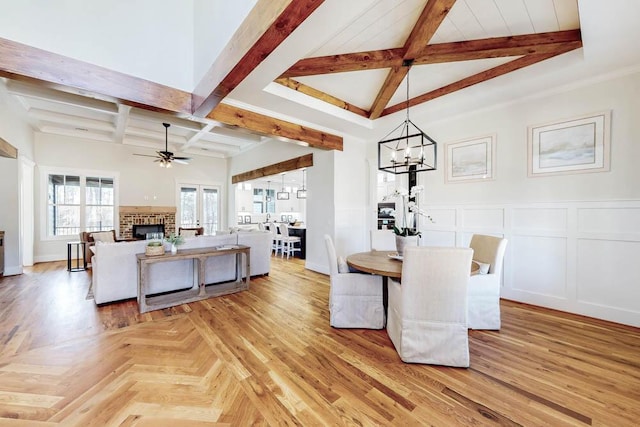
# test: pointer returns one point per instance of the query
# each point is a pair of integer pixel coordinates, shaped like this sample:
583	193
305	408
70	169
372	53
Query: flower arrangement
410	210
175	239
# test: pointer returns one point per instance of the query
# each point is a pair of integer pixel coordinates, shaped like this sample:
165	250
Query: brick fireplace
130	215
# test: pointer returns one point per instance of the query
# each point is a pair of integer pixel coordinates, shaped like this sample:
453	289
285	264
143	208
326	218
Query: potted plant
407	233
154	247
175	240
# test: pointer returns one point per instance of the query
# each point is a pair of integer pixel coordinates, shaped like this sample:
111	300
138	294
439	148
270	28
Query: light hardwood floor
268	356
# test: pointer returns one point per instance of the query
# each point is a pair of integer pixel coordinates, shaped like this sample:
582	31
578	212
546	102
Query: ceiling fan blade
143	155
179	160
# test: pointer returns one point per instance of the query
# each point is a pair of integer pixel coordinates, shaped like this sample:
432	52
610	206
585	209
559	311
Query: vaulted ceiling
311	70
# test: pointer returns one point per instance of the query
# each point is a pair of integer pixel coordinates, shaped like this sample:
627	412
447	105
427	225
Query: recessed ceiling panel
425	78
385	25
358	88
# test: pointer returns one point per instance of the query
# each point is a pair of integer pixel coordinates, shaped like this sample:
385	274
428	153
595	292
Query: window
259	202
99	204
76	202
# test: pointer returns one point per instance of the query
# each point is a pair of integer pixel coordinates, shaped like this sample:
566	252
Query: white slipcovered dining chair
276	243
427	314
484	289
355	299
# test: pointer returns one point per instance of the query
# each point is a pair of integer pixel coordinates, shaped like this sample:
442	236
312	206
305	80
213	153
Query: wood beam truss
532	48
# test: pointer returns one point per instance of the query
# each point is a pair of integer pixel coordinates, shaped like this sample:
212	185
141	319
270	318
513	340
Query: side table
80	248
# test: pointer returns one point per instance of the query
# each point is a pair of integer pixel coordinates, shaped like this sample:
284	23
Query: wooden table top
376	262
379	262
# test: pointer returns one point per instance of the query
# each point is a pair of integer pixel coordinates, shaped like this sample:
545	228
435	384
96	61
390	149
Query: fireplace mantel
147	209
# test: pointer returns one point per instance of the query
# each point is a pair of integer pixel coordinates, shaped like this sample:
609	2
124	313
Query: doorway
199	206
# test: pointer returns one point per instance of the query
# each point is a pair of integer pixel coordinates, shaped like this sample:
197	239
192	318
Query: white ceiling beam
199	134
75	133
30	91
72	120
122	120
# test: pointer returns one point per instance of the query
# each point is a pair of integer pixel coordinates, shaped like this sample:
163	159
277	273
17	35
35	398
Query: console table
157	302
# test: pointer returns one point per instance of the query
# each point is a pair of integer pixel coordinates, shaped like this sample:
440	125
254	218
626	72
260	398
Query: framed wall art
577	145
471	160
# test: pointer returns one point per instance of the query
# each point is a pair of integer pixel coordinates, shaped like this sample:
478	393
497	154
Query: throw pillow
343	267
483	268
103	236
188	233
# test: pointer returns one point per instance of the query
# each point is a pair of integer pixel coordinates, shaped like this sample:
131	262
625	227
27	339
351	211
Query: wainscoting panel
611	266
484	218
441	218
537	219
580	257
438	238
539	265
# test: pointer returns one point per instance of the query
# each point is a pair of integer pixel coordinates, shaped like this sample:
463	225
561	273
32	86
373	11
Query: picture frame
471	160
247	219
577	145
240	219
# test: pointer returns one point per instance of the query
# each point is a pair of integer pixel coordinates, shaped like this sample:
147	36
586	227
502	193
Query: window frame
46	171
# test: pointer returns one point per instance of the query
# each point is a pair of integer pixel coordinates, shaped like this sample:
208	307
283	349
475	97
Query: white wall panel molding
575	256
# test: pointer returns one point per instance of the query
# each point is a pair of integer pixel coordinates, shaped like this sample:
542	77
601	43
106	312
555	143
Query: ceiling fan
166	157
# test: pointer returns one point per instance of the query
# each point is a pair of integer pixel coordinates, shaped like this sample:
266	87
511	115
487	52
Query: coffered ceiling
312	71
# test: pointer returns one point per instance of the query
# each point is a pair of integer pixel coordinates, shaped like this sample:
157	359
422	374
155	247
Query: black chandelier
407	148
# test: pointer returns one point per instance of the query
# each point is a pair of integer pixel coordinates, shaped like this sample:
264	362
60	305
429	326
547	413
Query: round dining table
384	263
377	262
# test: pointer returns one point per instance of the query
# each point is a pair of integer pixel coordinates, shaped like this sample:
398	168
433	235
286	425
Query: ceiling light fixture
302	193
282	195
410	149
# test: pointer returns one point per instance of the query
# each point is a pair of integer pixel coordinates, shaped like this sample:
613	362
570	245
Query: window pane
257	207
72	190
56	188
99	218
93	191
188	207
106	195
66	220
210	210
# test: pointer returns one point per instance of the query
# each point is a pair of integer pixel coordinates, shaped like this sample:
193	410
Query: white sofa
115	268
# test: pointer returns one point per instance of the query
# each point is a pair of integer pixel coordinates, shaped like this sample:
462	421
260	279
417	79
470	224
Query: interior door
199	207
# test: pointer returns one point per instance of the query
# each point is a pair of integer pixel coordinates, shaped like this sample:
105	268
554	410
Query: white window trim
45	171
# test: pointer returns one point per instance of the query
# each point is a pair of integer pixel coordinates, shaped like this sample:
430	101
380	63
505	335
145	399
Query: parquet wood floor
268	356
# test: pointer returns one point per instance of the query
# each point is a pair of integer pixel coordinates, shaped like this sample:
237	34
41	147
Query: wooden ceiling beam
497	47
268	24
25	63
483	76
305	161
8	150
274	127
342	63
428	22
322	96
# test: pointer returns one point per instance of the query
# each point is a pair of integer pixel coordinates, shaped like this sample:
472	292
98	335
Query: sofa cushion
103	236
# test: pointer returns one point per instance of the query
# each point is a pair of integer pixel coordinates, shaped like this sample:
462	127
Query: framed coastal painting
471	160
577	145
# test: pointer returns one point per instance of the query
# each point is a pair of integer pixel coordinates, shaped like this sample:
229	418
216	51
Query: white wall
573	238
110	34
16	132
215	21
337	194
141	181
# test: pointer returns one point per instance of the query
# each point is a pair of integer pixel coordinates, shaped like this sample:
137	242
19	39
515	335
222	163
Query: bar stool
288	242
